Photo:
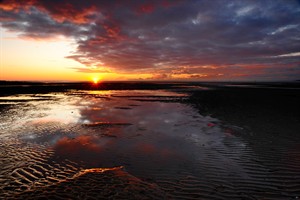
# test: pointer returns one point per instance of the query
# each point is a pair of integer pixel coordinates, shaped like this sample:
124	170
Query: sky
180	40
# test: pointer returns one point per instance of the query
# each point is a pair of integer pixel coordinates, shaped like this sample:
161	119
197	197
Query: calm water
163	146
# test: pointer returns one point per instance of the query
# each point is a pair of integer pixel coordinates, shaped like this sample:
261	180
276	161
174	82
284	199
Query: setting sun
96	80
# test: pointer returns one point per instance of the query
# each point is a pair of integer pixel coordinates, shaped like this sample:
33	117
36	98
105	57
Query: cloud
290	55
91	70
169	36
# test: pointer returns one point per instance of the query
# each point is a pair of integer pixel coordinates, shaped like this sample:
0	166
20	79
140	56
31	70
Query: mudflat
150	141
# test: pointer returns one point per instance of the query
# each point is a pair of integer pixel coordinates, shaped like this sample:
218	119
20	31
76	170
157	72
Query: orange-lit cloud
68	13
15	5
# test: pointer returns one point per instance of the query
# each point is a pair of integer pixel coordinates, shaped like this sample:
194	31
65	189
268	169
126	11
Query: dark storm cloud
37	25
198	38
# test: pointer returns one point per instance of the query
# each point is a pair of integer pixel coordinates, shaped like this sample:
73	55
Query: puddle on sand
168	145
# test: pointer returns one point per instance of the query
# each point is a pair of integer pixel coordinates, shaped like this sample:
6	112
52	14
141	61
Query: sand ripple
96	183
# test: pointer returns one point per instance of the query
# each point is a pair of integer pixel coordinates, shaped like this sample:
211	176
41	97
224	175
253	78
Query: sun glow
96	80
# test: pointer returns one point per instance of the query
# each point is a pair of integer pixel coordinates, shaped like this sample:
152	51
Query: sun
96	80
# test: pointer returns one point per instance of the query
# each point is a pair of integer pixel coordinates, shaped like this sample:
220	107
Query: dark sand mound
97	183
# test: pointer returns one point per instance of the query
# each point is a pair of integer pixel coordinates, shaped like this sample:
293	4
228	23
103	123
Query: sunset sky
192	40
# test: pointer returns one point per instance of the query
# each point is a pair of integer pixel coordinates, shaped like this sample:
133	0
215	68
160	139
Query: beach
150	140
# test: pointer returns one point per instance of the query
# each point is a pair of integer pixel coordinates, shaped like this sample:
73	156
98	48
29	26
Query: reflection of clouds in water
62	109
165	132
157	151
172	119
83	147
76	145
157	122
149	149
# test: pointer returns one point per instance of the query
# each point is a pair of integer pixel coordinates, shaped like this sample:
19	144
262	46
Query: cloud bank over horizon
194	40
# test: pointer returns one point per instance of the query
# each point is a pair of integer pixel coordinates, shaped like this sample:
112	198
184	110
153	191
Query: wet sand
182	141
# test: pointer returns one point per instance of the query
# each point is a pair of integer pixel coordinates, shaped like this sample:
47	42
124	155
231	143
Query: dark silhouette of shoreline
23	87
